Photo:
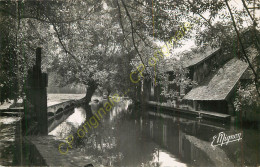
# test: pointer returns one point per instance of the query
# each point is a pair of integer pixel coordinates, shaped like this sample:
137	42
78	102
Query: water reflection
127	137
70	124
164	158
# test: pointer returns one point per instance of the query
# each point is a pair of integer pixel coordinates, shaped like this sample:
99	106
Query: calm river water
131	136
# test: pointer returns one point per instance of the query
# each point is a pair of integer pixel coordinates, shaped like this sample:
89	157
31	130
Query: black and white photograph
130	83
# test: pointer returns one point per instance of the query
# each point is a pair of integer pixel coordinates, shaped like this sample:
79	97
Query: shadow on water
128	136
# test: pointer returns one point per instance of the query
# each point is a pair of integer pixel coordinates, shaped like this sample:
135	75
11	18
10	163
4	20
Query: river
131	136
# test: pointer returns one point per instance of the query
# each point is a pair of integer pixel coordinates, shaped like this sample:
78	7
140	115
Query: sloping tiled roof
192	57
218	86
196	58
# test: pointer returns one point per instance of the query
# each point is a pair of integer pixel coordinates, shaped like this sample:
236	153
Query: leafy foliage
98	42
8	61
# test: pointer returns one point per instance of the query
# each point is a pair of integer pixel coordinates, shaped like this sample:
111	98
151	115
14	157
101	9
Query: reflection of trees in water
129	132
117	130
99	141
64	131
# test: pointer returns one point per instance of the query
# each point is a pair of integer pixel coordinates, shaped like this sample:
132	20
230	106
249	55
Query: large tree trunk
92	86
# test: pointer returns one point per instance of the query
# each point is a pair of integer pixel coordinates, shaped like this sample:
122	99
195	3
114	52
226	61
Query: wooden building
216	75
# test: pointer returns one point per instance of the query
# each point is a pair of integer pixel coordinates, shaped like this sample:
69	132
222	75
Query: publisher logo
222	139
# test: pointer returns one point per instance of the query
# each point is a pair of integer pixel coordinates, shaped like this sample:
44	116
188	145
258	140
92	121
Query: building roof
220	84
197	57
192	58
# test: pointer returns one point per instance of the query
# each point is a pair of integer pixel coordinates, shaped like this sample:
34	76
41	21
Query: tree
8	61
85	32
81	38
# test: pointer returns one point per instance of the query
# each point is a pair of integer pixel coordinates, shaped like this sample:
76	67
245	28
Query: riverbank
214	116
48	148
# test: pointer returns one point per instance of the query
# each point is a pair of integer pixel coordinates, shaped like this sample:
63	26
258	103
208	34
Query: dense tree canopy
90	42
8	61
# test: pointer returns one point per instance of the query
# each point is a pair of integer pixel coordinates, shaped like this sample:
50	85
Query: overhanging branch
132	30
243	49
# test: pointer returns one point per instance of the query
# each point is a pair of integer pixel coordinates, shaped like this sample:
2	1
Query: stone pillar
37	94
